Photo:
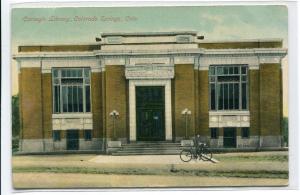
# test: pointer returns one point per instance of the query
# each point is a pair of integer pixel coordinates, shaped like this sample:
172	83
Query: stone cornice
201	58
53	55
199	51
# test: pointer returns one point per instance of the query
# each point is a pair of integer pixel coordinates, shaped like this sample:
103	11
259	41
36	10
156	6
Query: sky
44	26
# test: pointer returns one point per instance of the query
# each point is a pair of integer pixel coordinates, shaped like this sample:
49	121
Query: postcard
149	96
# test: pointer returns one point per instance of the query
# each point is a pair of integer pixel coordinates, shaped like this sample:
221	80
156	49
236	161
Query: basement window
87	135
214	134
245	132
56	135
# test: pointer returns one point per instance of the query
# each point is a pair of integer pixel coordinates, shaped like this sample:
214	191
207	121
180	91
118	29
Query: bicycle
192	153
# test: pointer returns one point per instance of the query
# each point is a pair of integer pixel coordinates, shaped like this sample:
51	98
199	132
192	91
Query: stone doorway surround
166	83
149	71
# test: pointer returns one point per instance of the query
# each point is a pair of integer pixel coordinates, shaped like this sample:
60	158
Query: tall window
71	90
228	85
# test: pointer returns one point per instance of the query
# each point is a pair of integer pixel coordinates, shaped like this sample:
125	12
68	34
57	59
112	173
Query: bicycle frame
197	153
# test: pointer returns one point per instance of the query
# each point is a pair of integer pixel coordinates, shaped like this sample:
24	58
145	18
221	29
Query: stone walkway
144	159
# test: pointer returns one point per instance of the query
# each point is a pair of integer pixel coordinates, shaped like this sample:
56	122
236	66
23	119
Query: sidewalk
144	159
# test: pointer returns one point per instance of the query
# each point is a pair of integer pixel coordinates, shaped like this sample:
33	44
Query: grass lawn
77	180
254	156
259	166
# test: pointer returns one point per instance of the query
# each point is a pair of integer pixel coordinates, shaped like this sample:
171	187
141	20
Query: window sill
230	112
72	115
67	121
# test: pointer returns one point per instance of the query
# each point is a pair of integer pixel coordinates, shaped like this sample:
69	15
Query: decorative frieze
150	71
206	61
145	61
250	57
164	54
270	59
30	63
184	60
48	64
114	61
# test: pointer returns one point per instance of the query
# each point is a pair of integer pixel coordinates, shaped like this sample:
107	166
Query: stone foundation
251	142
216	143
270	141
31	145
48	145
96	144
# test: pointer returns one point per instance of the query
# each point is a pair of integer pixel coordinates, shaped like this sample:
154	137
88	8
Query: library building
129	91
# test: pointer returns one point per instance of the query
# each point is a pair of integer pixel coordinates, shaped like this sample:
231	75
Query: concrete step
152	144
165	152
149	148
157	147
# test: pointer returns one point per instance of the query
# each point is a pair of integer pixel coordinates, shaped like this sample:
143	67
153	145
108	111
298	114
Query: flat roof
206	44
144	34
240	40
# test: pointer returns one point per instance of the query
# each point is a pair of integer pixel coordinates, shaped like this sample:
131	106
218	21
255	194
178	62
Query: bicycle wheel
206	154
185	155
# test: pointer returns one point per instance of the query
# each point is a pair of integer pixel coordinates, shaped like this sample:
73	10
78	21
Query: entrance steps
149	148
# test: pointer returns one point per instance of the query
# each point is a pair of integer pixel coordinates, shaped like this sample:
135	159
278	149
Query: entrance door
150	111
72	140
229	137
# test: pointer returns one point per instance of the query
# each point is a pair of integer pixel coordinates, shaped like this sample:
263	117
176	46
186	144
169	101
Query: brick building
231	90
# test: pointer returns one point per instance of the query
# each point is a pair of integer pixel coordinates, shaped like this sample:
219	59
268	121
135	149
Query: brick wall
270	99
97	104
254	103
184	98
196	100
31	102
203	103
47	104
116	100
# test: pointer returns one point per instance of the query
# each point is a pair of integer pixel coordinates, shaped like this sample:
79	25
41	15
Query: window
245	132
71	90
87	135
228	87
214	133
56	135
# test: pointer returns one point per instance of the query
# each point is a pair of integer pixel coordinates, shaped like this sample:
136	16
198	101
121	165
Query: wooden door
150	113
